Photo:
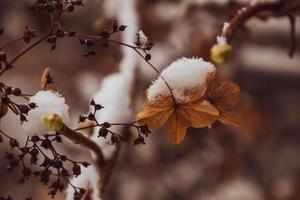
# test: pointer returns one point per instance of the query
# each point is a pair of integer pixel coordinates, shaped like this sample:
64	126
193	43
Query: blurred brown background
256	162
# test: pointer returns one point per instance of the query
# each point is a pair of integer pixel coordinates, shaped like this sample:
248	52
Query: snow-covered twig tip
182	75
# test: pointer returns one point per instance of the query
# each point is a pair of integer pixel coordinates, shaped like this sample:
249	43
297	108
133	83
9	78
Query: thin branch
136	49
150	64
292	20
29	48
78	138
272	9
246	13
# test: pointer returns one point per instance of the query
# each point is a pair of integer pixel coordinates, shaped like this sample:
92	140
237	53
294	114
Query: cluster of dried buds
104	128
53	164
28	35
7	103
103	38
56	6
38	157
143	43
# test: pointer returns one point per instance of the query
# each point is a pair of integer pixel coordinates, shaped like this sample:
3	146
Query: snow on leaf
178	117
184	74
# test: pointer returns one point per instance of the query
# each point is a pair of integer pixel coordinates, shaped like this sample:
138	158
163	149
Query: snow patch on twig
221	40
47	102
181	75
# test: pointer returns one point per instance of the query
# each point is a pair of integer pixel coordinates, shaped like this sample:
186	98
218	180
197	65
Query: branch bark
276	9
86	142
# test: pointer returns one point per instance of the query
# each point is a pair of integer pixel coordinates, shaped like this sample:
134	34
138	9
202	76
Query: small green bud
53	122
220	53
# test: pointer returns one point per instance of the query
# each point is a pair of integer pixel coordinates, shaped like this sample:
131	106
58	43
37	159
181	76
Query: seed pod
3	110
53	122
47	80
220	53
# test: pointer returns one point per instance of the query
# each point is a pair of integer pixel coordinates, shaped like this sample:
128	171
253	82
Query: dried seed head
53	122
3	110
220	53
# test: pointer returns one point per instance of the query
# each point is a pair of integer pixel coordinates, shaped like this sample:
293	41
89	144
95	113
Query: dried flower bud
82	119
35	138
220	53
64	172
92	103
17	91
13	143
98	107
114	139
3	56
76	170
85	164
3	110
24	109
145	130
147	57
102	132
53	122
122	28
139	140
115	26
105	34
46	143
32	105
5	100
91	117
8	91
34	152
45	176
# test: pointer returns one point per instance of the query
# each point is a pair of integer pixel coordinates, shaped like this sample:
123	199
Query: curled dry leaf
47	81
226	97
178	117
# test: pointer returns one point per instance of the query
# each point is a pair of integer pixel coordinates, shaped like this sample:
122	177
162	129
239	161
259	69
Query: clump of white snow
225	27
114	96
143	39
182	75
47	102
221	40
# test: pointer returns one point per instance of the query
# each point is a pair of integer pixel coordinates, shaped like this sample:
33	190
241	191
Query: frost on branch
47	102
182	75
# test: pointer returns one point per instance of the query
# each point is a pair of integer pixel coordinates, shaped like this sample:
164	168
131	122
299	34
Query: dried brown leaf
178	117
176	127
226	95
200	113
230	118
156	113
